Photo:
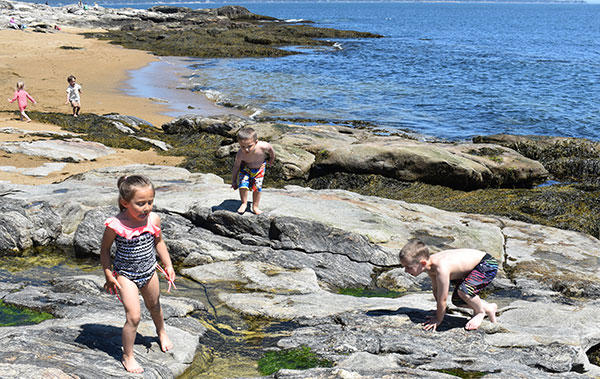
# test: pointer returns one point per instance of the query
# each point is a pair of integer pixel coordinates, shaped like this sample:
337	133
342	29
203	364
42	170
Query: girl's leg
151	295
131	302
244	198
256	202
24	115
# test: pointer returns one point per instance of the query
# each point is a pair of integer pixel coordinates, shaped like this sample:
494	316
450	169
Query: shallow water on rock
232	345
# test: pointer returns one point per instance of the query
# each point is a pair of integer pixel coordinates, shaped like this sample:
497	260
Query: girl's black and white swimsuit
135	256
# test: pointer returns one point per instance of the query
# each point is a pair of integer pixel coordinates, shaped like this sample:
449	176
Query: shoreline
162	81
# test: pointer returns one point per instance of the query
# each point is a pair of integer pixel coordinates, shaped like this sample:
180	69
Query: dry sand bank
100	68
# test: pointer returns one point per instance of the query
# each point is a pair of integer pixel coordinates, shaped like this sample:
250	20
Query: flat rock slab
41	133
43	170
72	150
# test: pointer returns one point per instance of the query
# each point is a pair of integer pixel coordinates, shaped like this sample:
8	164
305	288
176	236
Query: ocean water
444	70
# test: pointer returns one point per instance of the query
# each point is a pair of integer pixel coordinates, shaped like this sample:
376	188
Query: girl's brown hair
129	184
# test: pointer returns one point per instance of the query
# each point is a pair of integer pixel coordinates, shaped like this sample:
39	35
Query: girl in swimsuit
137	236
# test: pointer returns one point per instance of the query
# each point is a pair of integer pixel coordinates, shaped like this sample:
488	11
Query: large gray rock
72	150
464	166
289	262
27	224
85	338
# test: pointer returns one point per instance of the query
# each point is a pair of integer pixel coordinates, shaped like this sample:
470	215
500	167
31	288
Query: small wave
295	20
256	113
338	46
213	95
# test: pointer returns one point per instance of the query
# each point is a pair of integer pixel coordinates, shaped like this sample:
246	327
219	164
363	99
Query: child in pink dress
21	96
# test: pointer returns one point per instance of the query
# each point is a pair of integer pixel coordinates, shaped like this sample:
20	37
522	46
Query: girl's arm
30	98
161	249
13	99
111	285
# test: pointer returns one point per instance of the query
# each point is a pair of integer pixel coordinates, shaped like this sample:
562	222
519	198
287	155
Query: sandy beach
43	63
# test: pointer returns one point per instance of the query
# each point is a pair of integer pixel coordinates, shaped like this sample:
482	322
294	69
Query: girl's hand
111	285
170	273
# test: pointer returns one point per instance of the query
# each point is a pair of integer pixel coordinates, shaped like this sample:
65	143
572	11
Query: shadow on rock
107	338
419	316
228	205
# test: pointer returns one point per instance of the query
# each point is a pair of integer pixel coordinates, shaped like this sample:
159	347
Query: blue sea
443	70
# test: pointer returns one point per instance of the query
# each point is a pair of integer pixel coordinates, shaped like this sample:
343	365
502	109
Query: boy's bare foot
475	322
131	365
242	208
256	211
490	311
165	342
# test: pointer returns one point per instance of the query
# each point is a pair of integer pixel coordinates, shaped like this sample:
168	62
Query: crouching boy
469	270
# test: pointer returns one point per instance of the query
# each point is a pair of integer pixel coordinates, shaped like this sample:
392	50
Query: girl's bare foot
165	342
256	211
242	208
131	365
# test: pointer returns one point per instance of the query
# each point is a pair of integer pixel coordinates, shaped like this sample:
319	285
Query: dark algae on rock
12	316
228	32
301	358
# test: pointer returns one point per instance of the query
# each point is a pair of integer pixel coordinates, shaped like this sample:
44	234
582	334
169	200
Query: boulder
458	166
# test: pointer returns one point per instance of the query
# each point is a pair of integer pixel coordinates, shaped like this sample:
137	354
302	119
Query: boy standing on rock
249	168
469	270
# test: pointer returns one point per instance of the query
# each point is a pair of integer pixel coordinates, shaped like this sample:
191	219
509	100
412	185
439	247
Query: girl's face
140	205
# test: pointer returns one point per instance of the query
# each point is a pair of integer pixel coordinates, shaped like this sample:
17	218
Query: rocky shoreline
289	265
292	263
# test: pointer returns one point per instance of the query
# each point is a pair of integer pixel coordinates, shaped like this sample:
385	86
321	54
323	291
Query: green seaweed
366	292
463	373
43	256
301	358
13	316
95	128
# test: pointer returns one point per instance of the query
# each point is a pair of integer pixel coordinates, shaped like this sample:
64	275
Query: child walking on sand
21	96
136	232
249	168
468	270
73	95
